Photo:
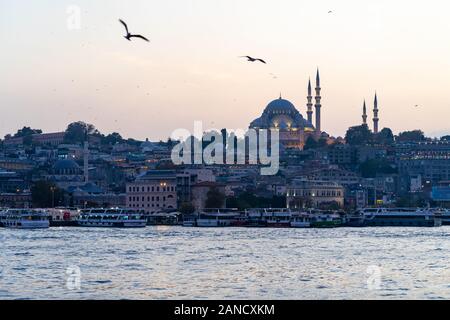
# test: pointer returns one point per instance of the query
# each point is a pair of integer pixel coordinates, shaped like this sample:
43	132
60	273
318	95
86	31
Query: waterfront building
308	193
154	191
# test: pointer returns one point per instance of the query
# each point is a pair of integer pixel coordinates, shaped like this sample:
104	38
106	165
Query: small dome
65	165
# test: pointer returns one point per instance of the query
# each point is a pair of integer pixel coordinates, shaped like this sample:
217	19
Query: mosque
293	128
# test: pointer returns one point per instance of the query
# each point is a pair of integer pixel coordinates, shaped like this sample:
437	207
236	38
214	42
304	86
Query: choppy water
232	263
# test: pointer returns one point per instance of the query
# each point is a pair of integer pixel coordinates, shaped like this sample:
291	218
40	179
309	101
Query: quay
219	218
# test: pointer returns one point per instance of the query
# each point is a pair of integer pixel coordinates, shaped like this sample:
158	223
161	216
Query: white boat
112	218
405	217
24	219
301	220
277	218
217	218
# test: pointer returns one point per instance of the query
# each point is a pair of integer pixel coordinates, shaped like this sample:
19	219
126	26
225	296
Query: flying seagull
330	11
253	59
129	35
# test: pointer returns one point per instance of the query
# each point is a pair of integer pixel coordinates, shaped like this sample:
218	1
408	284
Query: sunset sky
52	75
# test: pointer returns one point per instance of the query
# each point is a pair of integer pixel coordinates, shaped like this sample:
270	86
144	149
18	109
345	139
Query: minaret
375	114
318	105
364	116
310	104
86	160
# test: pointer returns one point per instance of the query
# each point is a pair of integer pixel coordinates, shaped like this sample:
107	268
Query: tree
249	200
359	135
112	139
385	137
45	194
77	132
187	208
311	143
445	138
26	131
215	198
411	136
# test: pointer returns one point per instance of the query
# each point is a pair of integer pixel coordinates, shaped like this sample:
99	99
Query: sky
54	71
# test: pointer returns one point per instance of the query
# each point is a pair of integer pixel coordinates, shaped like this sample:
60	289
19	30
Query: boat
401	217
277	218
254	218
63	217
217	218
112	218
325	219
354	220
24	219
189	220
163	219
300	220
444	214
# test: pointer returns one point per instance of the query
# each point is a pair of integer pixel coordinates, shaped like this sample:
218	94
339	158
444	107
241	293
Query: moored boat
217	218
63	217
24	219
325	219
401	217
300	220
112	218
277	218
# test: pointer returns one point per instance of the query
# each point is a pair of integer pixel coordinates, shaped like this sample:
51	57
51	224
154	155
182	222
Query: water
231	263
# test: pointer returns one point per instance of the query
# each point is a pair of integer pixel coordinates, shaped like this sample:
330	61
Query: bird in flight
253	59
129	35
330	11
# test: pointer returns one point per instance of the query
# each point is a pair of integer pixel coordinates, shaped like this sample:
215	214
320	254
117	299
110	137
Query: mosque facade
294	129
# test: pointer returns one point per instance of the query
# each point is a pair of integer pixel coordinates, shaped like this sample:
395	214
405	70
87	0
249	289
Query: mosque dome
66	167
282	114
280	106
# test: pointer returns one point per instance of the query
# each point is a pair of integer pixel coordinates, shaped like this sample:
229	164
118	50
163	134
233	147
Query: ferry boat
190	220
163	219
24	219
217	218
63	217
325	219
404	217
254	218
302	220
277	218
445	216
112	218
